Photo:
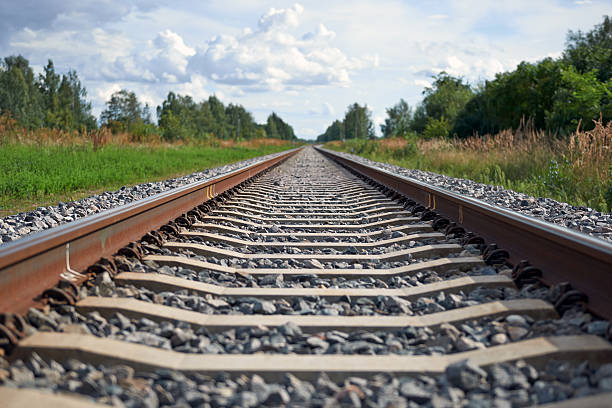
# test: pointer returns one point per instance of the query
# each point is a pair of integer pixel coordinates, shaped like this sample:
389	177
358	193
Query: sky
306	61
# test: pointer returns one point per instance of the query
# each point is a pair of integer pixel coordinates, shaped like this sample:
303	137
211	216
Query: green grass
31	176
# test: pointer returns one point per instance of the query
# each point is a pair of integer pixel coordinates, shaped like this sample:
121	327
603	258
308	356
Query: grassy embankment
576	170
42	167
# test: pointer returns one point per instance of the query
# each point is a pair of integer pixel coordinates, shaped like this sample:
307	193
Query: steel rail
562	254
34	263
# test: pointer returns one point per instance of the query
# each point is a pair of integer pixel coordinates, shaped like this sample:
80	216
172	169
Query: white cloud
171	55
423	83
325	109
196	88
104	92
272	58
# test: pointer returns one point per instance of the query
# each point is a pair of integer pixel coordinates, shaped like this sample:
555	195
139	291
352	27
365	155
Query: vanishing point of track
314	263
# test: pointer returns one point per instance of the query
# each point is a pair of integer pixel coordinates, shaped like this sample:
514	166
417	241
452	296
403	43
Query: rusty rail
563	255
32	264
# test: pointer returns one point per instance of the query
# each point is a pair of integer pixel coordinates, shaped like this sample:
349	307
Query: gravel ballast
463	384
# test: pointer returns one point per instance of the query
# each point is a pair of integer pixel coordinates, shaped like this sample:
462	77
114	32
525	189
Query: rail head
562	254
37	261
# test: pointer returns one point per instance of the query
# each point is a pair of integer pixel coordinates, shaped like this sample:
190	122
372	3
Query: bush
437	128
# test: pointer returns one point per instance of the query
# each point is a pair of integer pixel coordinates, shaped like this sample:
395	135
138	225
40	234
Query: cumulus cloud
474	62
163	59
271	57
170	56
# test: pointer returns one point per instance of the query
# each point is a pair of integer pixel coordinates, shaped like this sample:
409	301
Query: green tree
219	123
124	112
335	131
358	123
49	83
277	128
581	98
525	93
178	118
437	128
592	50
399	118
445	99
73	111
419	119
19	94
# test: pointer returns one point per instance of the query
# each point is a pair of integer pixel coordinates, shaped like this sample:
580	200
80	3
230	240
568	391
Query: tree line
55	100
555	95
357	124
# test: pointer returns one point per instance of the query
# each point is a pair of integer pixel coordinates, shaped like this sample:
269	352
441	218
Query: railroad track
299	282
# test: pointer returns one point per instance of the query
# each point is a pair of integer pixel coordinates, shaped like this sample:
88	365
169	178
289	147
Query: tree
358	123
525	93
123	111
592	50
444	100
73	111
399	118
580	99
178	119
49	86
19	94
240	122
277	128
335	131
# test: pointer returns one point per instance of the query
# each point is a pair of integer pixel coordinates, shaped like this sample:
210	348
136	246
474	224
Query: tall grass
576	169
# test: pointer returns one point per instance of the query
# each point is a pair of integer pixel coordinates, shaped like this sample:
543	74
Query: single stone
105	284
290	329
413	392
317	342
122	372
264	307
516	333
465	375
449	330
361	347
516	320
278	341
465	343
313	263
179	338
499	338
253	345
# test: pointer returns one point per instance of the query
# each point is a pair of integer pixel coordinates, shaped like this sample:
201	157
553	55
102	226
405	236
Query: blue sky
306	61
